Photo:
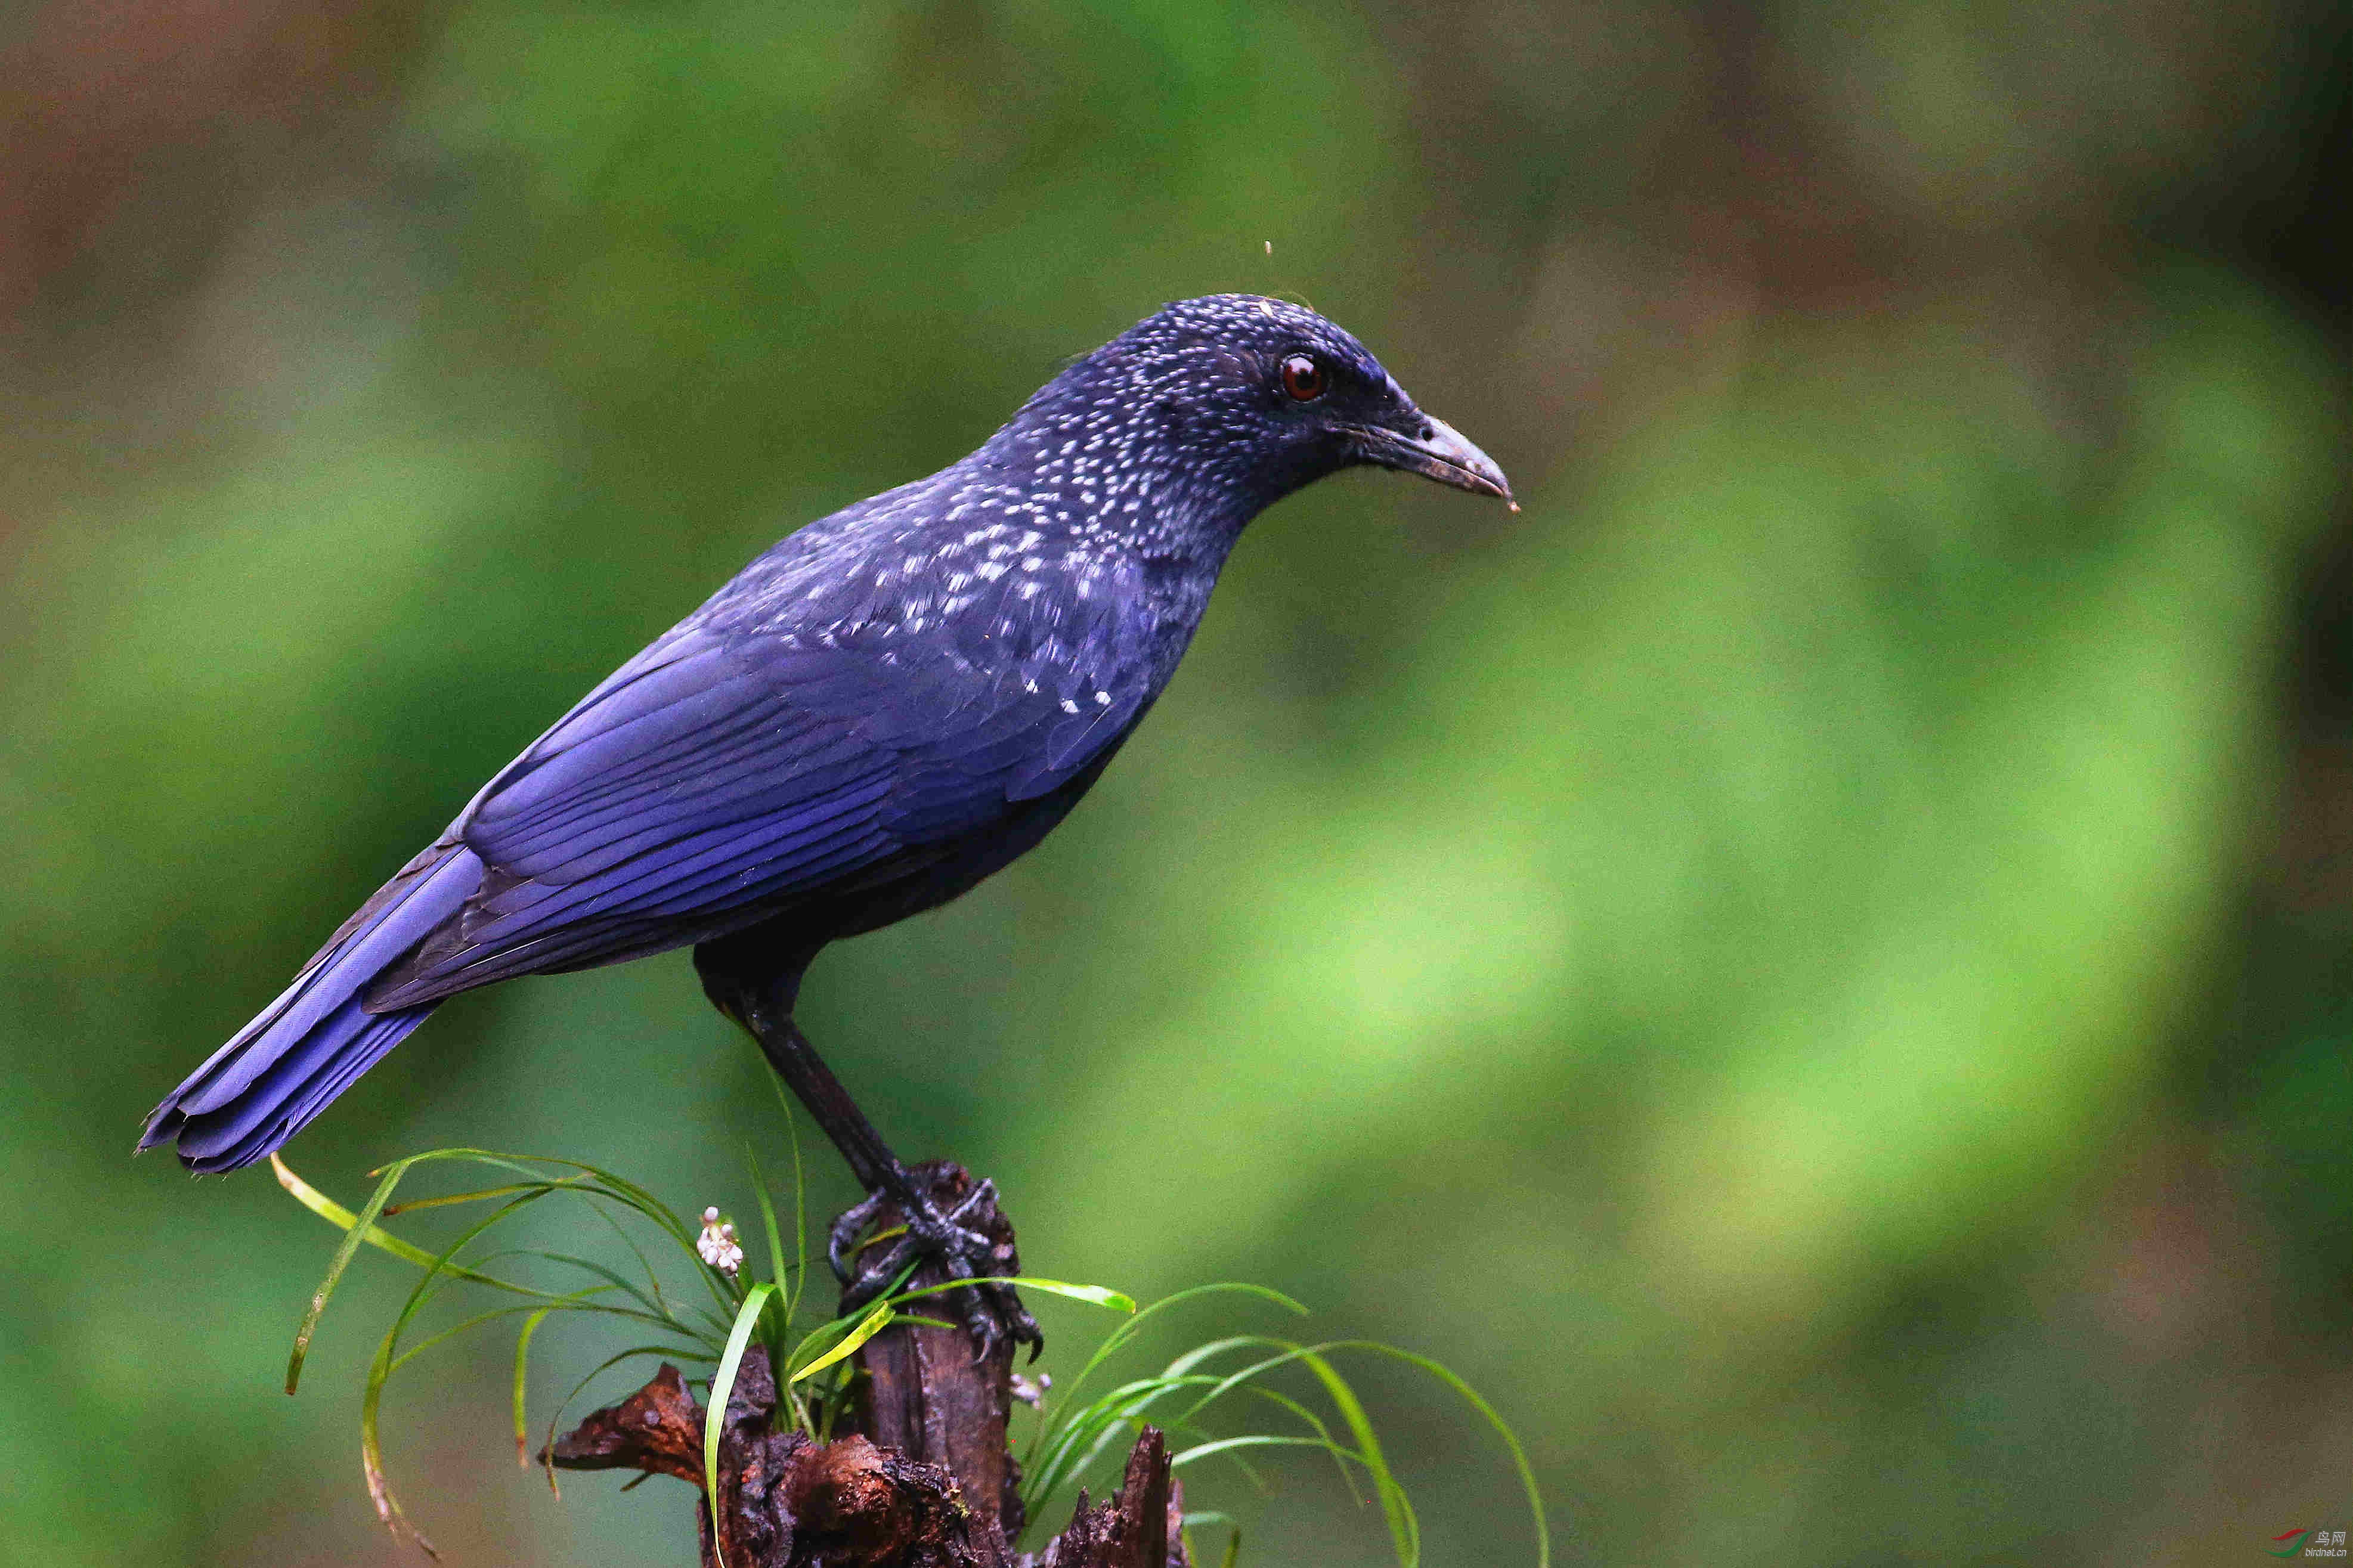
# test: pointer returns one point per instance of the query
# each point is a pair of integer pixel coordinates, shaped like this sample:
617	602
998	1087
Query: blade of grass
523	1357
1244	1378
459	1327
384	1240
1120	1335
415	1206
723	1384
379	1484
825	1334
767	1217
1405	1530
363	1223
1092	1429
341	1218
653	1280
653	1307
387	1506
781	1311
1472	1398
1256	1440
362	1227
619	1188
873	1324
801	1202
1082	1432
1093	1295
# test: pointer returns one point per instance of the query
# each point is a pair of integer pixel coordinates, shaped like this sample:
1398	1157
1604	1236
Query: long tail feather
310	1045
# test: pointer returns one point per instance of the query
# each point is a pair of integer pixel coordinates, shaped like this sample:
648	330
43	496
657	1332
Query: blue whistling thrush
879	711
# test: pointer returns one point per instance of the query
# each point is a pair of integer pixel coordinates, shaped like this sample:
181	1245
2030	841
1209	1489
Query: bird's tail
310	1045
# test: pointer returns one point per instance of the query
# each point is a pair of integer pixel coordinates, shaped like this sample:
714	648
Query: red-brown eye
1303	378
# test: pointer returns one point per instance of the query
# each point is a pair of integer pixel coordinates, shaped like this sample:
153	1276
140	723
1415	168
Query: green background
1810	963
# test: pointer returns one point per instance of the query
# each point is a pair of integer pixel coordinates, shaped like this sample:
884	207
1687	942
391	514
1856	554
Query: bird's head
1242	400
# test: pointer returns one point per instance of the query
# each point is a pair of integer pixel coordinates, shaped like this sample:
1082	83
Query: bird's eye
1303	378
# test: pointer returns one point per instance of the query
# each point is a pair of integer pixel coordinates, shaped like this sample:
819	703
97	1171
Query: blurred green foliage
1770	962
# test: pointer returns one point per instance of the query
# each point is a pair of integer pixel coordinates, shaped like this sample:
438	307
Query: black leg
764	1010
836	1115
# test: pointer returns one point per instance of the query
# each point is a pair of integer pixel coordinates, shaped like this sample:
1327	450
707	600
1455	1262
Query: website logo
2306	1543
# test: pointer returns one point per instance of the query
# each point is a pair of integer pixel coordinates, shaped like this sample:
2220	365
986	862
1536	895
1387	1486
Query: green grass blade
652	1306
459	1327
523	1357
825	1334
336	1215
1256	1440
1120	1336
1306	1417
341	1218
1083	1439
450	1200
388	1360
1405	1530
604	1183
653	1280
362	1224
1068	1447
379	1484
1503	1429
873	1324
1246	1378
723	1384
767	1219
1199	1354
780	1315
1094	1295
387	1506
681	1234
801	1202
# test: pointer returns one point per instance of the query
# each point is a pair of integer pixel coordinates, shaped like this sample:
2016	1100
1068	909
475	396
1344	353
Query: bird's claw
927	1230
992	1312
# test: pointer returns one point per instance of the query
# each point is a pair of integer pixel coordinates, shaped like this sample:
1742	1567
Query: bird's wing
716	772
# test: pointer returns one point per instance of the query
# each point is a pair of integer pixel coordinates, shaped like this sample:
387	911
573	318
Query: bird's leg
989	1310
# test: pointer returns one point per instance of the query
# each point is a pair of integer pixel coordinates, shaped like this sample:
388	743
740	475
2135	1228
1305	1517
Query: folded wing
718	777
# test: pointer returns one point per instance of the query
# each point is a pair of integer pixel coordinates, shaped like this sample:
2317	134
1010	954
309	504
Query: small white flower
718	1245
1029	1392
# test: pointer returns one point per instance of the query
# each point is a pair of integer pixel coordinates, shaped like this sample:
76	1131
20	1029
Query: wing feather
715	777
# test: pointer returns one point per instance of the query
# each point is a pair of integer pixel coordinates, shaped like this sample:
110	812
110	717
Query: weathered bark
926	1394
1141	1527
925	1481
785	1501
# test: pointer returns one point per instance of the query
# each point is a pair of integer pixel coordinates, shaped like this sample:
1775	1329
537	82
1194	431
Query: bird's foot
938	1219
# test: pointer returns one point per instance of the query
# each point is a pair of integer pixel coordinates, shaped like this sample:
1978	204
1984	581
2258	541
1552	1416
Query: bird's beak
1436	451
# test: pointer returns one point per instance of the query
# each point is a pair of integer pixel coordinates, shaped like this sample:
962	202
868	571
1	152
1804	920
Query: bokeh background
1811	963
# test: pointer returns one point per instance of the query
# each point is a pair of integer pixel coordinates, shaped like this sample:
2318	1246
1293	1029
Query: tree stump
924	1393
924	1480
